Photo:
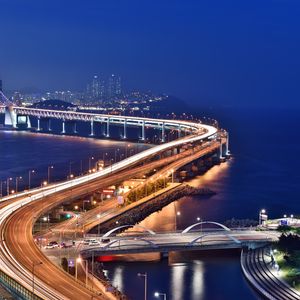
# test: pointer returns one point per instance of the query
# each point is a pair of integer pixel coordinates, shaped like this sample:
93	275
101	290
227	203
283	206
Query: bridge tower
10	119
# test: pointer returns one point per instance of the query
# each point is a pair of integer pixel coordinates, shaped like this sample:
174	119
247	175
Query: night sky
214	52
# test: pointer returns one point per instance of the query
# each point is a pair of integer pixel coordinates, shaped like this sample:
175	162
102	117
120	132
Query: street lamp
78	261
49	168
17	182
90	158
29	177
262	217
145	282
34	264
70	169
7	184
157	295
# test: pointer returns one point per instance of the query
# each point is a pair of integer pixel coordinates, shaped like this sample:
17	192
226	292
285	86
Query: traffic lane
26	251
89	219
46	204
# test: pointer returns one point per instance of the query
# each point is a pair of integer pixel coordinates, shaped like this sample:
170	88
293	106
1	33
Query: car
88	241
66	245
105	240
52	245
93	243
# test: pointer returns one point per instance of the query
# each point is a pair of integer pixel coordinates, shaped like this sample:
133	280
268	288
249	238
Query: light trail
10	204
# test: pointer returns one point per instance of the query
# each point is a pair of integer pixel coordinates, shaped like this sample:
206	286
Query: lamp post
78	261
145	282
116	150
17	182
157	295
262	217
199	220
90	161
70	168
29	178
7	184
1	188
34	264
49	168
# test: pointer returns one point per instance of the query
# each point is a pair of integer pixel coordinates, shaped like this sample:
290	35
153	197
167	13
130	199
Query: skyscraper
1	85
96	89
114	88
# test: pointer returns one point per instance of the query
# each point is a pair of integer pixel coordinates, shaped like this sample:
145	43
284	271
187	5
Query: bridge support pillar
39	124
10	117
63	131
143	131
163	132
75	128
179	131
28	123
92	128
125	129
227	144
49	125
107	128
221	150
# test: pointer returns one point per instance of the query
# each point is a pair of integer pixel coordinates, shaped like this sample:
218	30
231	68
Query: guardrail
16	288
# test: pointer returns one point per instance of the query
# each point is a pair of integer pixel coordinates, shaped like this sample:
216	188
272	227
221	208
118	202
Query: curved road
18	252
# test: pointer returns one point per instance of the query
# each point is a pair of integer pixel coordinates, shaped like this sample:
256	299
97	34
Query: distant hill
54	104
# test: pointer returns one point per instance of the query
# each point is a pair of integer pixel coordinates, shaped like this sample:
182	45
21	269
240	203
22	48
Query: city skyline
208	53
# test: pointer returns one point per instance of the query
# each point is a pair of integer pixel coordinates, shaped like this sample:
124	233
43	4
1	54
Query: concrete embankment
138	211
257	268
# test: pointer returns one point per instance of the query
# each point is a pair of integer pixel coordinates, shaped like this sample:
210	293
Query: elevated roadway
20	256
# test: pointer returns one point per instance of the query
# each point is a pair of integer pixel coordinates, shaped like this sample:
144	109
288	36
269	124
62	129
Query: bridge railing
16	288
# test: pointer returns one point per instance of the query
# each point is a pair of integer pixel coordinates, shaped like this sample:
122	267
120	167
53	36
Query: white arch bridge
187	240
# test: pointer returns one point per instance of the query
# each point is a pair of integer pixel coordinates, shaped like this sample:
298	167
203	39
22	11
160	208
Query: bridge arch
127	226
153	245
204	235
186	230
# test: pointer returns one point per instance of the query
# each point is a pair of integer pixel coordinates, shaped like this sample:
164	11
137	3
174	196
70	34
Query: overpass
187	240
23	266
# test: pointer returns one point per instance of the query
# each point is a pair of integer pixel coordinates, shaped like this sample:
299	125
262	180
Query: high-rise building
114	88
96	89
1	90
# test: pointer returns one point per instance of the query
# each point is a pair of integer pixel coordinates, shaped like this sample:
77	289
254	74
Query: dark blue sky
211	52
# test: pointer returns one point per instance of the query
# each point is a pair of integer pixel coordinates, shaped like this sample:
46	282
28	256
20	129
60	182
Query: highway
18	252
108	208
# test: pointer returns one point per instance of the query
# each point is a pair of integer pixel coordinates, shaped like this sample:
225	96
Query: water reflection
178	281
117	278
197	288
188	210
